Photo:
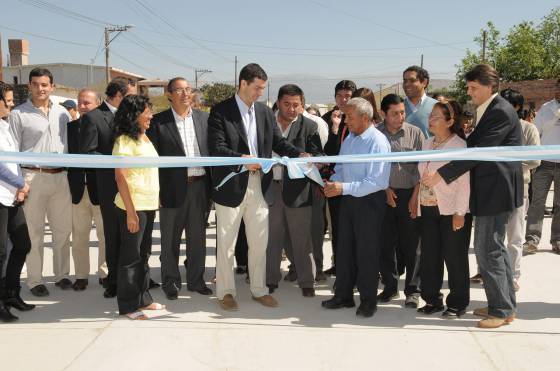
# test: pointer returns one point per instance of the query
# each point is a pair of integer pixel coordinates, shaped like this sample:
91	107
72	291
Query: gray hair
88	90
361	106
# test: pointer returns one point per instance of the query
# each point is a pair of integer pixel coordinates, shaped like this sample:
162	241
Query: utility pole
380	91
108	31
484	46
235	76
1	63
422	60
198	73
268	93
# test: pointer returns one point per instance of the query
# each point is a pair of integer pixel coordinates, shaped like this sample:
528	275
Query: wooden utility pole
197	73
484	47
108	30
422	60
235	76
380	91
1	61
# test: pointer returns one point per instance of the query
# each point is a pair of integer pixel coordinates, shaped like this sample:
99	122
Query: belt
277	180
191	179
45	170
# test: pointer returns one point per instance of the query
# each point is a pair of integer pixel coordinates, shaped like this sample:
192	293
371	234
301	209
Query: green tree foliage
549	36
217	92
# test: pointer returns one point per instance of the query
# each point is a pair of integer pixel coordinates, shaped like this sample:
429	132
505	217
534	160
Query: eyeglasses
182	90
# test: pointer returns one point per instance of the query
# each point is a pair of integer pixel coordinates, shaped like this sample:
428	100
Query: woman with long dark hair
445	222
13	226
137	202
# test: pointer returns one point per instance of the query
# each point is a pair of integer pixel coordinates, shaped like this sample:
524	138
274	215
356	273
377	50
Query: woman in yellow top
137	202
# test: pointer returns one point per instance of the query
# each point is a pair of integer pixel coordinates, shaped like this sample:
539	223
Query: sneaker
451	313
386	296
411	301
530	248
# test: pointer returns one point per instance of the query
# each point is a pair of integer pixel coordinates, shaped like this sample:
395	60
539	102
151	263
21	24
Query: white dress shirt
483	107
278	170
250	123
547	121
185	125
113	109
7	144
322	127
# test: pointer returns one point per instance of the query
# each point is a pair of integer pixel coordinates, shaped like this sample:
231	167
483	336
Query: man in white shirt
547	122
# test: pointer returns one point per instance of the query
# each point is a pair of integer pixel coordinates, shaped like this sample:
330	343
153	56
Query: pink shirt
452	198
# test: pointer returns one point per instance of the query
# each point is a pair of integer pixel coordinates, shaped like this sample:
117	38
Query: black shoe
320	276
153	284
171	295
110	292
15	301
204	290
5	314
102	281
431	309
271	288
366	309
40	290
308	292
451	313
411	301
64	284
241	269
336	303
291	276
331	271
387	296
80	284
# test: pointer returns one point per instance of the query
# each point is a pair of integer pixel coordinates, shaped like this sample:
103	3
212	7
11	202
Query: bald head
87	100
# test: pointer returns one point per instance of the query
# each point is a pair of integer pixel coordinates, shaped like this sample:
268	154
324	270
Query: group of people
385	218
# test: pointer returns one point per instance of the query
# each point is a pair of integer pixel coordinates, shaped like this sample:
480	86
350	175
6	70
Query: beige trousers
49	197
254	211
82	216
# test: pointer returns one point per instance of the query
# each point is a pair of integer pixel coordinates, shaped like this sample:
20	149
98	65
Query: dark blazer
77	177
227	137
334	142
496	187
299	192
97	137
164	135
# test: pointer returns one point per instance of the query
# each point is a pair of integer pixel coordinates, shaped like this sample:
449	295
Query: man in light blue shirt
417	104
362	209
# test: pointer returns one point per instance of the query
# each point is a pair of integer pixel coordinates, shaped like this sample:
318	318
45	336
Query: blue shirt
418	115
362	179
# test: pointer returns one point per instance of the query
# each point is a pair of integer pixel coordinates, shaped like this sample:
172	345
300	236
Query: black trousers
133	275
334	211
112	240
241	247
441	244
359	229
14	227
401	234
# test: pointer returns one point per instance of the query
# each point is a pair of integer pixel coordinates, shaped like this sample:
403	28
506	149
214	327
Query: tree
217	92
549	35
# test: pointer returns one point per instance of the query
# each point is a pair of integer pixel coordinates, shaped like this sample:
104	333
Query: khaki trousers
49	197
254	212
82	216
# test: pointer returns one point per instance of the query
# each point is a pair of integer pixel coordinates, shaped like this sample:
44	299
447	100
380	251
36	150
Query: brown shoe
530	248
483	312
228	303
267	301
493	322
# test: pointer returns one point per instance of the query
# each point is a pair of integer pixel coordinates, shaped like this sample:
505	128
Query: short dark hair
291	90
173	81
4	88
117	85
389	100
40	72
452	110
485	75
251	72
515	98
345	85
126	117
421	73
368	95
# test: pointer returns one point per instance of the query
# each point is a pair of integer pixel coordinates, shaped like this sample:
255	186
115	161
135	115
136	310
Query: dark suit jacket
299	192
227	137
166	139
496	187
334	142
97	137
78	177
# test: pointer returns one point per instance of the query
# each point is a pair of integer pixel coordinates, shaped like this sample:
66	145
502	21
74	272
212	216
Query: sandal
137	316
154	306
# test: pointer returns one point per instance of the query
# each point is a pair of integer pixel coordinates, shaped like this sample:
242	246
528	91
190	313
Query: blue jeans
495	264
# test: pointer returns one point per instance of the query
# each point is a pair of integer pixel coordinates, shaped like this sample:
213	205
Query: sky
314	43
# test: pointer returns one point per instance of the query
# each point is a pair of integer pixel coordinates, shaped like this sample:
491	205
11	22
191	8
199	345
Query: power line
48	38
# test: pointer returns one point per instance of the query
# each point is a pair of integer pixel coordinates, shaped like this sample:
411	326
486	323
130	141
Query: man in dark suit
496	190
290	200
337	132
242	127
184	192
96	137
85	203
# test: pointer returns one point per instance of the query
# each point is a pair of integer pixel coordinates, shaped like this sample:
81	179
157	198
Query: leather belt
191	179
45	170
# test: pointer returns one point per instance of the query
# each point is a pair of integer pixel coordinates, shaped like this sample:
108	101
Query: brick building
536	92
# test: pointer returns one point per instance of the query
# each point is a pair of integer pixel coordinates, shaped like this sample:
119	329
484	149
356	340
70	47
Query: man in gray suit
290	200
184	192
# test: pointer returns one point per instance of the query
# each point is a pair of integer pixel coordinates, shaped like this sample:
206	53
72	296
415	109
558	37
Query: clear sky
313	42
